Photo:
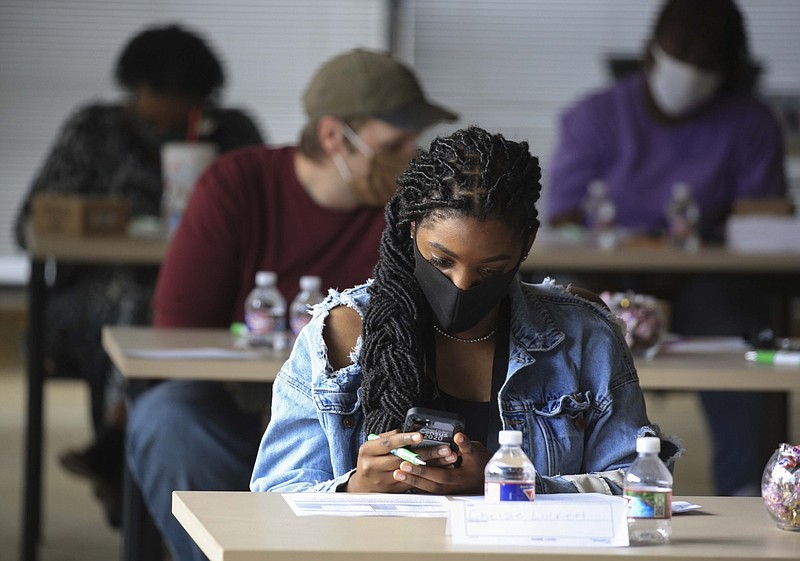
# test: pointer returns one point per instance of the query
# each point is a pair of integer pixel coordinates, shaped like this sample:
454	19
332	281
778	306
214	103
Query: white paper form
569	519
701	345
194	353
371	504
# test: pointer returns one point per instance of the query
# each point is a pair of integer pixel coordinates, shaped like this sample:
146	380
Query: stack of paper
763	233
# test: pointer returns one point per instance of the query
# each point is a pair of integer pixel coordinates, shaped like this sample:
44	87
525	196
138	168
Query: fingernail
416	437
444	451
405	466
399	475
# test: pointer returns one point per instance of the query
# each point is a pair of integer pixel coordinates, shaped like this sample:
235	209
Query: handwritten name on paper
569	522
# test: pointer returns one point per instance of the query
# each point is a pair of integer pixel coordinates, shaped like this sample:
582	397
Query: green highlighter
402	453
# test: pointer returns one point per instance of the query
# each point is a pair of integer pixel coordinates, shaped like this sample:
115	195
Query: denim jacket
571	388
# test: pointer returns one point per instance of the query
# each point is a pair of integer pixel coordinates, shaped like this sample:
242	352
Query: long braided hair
470	173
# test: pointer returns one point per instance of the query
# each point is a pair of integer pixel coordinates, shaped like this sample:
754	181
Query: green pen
402	453
777	358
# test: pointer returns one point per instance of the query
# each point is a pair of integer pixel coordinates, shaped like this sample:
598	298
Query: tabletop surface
242	526
251	366
144	250
668	371
547	254
714	371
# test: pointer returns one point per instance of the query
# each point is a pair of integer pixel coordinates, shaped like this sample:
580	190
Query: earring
525	257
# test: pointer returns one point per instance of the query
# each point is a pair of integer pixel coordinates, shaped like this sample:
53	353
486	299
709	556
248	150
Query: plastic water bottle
509	475
683	217
265	313
648	495
600	211
299	313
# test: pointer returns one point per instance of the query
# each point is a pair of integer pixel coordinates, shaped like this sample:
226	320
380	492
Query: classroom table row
216	354
213	354
242	526
545	256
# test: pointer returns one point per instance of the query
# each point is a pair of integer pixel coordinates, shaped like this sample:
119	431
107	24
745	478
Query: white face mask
677	87
377	187
360	145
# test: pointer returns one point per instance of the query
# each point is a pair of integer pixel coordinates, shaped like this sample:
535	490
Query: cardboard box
79	215
779	206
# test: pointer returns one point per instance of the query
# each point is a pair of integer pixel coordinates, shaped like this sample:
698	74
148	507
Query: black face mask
455	309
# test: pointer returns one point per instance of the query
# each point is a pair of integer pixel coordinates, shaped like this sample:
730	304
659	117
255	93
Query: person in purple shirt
689	116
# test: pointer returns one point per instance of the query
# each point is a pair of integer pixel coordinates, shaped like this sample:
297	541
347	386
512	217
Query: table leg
32	499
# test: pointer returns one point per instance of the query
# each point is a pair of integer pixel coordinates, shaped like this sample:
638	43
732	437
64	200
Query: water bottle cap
597	188
310	282
266	278
681	190
510	437
648	444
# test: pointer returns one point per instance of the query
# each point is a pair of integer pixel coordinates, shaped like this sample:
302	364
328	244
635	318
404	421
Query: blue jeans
188	435
734	420
729	306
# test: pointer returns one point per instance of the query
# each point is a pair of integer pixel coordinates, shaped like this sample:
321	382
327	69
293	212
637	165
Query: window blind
58	54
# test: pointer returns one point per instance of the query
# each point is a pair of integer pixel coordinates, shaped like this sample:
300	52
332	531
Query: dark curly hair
470	173
170	60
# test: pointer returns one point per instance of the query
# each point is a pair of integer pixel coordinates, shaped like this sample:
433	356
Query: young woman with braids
446	323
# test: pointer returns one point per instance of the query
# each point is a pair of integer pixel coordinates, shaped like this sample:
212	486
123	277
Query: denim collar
532	328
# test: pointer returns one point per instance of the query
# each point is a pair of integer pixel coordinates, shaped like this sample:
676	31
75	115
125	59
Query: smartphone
436	427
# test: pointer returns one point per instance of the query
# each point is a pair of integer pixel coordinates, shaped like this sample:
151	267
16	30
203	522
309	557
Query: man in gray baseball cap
314	209
365	111
367	83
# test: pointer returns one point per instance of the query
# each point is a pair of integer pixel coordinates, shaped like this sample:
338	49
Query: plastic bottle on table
509	475
299	310
265	313
683	217
600	211
648	495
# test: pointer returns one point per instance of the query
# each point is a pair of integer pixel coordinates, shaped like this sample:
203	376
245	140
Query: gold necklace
460	340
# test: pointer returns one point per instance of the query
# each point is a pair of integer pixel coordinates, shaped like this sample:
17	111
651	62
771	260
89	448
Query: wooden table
118	341
673	371
669	371
547	254
148	251
687	371
60	249
242	526
723	371
140	538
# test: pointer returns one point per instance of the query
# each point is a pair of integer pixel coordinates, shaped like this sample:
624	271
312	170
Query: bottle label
509	490
260	323
648	503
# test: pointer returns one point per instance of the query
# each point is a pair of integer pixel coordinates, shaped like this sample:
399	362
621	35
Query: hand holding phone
436	427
